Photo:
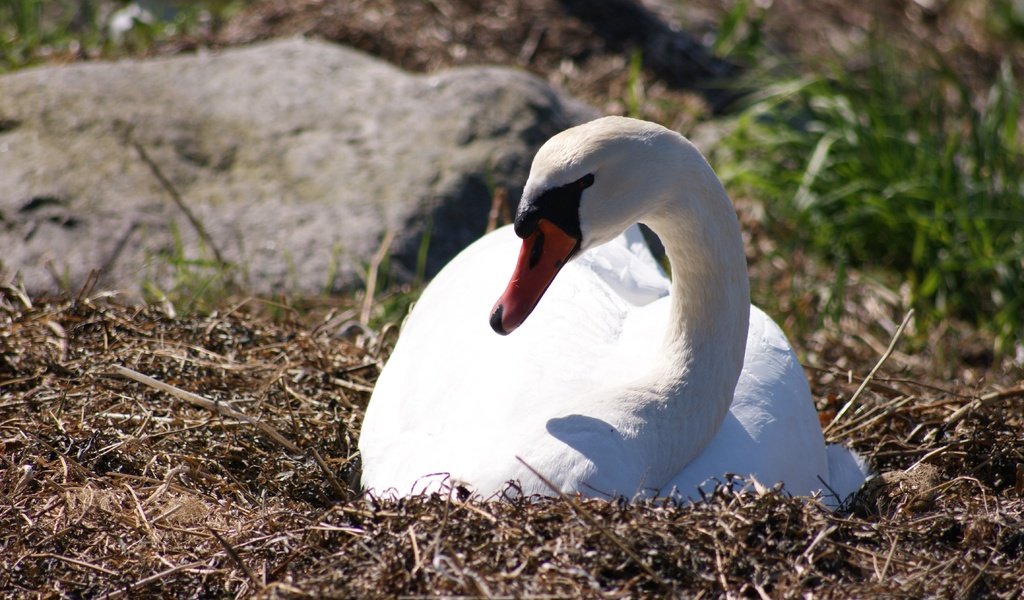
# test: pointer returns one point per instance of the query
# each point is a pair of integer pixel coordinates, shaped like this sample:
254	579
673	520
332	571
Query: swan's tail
847	472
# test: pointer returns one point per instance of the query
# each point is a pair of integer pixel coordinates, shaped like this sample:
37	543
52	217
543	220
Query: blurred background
874	149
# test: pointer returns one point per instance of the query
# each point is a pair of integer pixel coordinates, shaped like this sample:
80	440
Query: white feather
620	382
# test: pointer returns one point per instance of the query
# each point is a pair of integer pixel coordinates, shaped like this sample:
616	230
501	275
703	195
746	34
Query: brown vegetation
113	488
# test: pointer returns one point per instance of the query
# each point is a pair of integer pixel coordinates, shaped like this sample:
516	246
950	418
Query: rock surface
291	160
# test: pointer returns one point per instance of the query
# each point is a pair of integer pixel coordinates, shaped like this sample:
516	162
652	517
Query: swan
622	382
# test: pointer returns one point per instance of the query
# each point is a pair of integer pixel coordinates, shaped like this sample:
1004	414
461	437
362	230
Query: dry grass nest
111	487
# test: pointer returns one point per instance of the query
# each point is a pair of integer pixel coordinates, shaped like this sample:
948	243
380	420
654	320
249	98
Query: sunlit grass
192	283
33	31
901	168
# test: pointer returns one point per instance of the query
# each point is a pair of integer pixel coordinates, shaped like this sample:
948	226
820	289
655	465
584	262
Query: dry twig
878	365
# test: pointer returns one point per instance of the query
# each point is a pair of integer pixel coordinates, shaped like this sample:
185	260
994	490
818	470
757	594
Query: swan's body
620	382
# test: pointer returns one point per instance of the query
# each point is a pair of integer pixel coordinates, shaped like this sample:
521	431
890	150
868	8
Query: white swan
621	382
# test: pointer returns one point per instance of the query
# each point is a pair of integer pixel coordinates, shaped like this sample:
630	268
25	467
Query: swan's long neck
706	335
710	288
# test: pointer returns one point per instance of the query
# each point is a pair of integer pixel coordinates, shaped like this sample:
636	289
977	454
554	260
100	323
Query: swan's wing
455	395
627	266
772	431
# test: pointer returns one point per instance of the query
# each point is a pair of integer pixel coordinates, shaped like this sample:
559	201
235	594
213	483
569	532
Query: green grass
739	36
896	167
635	86
395	301
33	31
197	284
27	30
1005	19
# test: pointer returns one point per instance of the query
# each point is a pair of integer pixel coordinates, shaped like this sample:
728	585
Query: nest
110	487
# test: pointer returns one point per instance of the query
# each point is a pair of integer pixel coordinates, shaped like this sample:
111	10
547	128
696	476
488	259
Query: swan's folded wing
628	268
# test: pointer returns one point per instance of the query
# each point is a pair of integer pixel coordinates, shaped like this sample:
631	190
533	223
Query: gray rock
295	157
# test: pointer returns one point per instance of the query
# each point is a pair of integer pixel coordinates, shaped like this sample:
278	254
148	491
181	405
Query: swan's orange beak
543	254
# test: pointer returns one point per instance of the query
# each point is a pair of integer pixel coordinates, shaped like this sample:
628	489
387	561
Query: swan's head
586	186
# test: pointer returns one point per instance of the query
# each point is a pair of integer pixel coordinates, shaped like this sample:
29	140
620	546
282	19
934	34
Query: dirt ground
112	487
233	470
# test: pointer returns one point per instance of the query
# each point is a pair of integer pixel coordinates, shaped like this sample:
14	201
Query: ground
112	487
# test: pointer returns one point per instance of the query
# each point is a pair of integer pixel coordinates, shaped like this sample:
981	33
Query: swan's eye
560	205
